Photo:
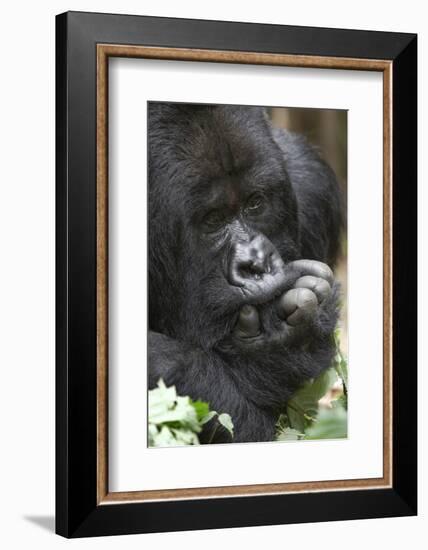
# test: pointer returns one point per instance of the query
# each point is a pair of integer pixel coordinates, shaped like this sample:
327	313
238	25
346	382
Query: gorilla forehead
206	147
223	140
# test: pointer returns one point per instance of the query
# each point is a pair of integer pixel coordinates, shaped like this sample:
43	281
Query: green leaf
340	363
152	433
297	418
289	434
163	438
330	424
182	411
282	423
161	399
341	401
202	409
302	408
208	417
226	421
166	407
185	437
169	437
176	420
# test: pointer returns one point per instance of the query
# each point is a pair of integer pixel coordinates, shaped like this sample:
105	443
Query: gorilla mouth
262	288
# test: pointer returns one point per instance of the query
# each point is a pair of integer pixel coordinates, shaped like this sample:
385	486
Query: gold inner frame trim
104	51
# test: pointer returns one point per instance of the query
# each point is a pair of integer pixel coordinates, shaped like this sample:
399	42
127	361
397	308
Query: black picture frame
78	512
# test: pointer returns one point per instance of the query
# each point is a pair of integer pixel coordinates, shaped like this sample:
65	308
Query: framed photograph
236	274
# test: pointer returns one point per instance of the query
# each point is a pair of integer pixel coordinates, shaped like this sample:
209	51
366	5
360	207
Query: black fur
200	155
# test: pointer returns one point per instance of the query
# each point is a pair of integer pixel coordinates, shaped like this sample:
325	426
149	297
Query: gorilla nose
250	261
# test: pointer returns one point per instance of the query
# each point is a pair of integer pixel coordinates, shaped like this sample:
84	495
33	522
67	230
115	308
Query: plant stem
213	434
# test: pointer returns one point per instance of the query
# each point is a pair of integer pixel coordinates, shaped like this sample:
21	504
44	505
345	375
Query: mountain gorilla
243	220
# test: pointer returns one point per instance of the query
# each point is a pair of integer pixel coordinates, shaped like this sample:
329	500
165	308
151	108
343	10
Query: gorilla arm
204	375
252	378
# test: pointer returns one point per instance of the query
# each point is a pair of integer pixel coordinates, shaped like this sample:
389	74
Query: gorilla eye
213	220
255	204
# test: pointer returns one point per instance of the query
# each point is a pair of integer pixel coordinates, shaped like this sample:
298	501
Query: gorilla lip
267	288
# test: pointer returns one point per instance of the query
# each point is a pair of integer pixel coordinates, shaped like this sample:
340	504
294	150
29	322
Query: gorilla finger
319	286
297	305
313	267
248	324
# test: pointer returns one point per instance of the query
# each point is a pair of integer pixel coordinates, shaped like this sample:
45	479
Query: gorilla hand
300	304
294	313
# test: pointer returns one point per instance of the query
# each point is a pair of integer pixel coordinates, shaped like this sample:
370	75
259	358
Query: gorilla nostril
256	266
250	270
250	262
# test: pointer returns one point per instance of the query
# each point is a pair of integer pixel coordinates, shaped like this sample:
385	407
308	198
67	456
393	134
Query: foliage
302	408
341	366
330	424
175	420
305	419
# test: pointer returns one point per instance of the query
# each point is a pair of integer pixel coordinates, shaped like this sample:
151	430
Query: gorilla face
223	226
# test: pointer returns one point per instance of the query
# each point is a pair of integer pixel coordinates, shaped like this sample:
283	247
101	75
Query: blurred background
327	130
